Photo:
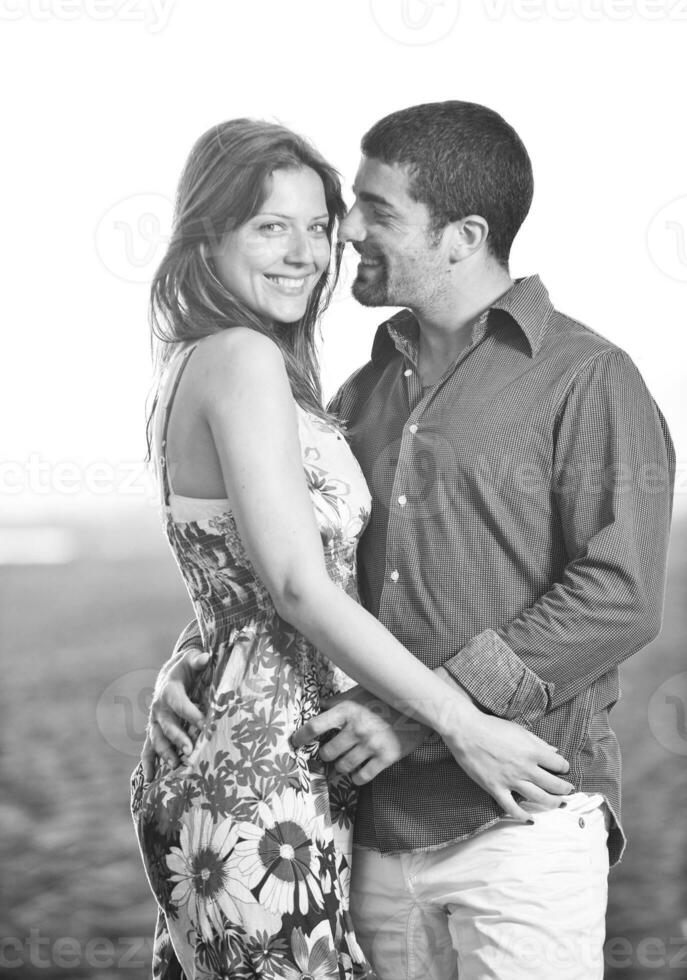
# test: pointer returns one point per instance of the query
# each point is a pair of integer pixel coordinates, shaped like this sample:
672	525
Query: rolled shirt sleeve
612	477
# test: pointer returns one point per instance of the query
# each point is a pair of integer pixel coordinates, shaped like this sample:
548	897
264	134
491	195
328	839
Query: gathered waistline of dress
234	612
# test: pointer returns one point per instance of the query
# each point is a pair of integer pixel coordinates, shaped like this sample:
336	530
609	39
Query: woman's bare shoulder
237	361
237	342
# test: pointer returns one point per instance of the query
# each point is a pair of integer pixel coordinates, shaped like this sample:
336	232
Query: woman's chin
290	311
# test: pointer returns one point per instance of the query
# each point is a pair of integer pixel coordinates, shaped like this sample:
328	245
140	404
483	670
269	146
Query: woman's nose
300	248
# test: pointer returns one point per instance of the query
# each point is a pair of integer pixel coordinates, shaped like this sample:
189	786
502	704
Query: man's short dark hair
463	158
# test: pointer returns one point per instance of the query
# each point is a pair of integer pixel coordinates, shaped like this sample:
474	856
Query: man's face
401	262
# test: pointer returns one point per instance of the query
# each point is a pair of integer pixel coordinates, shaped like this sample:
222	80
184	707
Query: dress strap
169	401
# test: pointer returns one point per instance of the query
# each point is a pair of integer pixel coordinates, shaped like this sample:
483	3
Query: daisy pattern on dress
206	886
279	857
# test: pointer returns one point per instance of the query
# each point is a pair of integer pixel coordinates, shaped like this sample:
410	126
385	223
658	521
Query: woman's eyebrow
288	217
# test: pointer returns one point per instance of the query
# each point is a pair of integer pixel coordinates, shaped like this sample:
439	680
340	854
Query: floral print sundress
247	847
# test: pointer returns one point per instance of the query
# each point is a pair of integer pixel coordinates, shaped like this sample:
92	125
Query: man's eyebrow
371	198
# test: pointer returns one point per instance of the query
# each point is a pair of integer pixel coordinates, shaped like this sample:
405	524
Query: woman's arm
244	394
246	399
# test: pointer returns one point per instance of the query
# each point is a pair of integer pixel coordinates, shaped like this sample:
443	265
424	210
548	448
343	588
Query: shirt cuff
499	680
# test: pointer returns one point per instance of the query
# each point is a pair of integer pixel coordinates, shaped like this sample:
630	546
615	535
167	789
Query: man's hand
372	735
172	706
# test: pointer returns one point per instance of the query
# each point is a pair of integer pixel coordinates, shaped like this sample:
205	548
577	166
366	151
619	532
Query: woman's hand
371	735
504	758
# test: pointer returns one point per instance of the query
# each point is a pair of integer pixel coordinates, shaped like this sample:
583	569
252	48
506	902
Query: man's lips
369	263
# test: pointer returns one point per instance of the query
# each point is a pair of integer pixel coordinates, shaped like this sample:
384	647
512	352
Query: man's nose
352	228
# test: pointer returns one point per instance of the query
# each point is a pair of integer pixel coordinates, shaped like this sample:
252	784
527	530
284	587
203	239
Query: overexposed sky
102	100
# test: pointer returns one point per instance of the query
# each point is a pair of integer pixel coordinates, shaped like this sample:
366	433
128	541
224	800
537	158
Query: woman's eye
272	227
320	228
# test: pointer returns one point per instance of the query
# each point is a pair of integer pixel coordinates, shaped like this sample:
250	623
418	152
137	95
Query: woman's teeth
288	284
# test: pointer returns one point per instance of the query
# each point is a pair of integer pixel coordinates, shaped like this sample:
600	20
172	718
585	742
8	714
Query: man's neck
445	331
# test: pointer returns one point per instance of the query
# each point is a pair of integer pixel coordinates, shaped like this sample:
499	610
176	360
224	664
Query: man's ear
467	236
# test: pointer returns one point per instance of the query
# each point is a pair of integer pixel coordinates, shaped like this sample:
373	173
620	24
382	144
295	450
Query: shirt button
408	372
581	821
394	575
412	428
403	500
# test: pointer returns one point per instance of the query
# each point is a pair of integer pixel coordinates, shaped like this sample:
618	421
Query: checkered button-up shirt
521	509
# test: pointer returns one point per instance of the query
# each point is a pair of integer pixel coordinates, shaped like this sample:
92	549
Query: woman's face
273	262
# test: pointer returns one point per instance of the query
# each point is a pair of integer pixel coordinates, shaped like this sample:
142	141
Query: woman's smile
290	285
274	261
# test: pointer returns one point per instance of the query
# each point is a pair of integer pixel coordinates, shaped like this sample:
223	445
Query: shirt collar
527	303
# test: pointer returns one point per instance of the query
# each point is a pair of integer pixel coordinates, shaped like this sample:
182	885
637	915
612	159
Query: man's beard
374	292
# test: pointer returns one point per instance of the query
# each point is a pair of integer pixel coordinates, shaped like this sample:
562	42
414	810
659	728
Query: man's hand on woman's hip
171	707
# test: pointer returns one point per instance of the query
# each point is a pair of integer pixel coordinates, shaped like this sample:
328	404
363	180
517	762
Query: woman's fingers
337	746
552	761
507	803
552	784
367	773
534	794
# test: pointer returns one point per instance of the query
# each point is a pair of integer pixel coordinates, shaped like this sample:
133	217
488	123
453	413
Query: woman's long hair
224	183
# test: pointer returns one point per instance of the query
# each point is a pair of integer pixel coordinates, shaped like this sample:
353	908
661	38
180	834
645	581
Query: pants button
581	822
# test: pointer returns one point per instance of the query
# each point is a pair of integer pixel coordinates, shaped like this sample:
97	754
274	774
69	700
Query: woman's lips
289	285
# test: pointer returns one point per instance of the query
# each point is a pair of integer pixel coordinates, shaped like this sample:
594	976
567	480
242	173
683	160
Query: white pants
516	901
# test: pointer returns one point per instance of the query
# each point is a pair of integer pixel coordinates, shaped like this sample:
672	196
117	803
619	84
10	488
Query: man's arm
189	640
613	473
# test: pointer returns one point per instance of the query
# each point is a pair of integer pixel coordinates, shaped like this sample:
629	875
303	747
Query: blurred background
107	97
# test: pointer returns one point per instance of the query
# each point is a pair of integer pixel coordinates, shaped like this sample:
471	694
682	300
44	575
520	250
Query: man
521	478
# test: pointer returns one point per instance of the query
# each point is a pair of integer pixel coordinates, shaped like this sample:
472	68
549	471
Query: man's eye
381	216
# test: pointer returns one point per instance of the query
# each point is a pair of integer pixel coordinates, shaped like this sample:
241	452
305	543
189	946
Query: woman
264	505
